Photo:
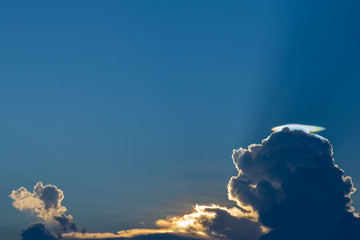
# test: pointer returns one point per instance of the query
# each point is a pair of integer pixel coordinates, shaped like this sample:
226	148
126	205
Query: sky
133	108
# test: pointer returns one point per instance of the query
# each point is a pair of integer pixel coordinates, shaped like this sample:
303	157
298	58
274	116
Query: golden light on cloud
189	223
120	234
44	201
196	224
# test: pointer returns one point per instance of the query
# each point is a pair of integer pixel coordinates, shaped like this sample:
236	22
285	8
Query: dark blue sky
133	108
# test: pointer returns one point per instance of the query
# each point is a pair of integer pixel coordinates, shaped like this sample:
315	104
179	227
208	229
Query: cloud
125	234
216	222
287	188
205	222
66	222
45	203
291	180
37	231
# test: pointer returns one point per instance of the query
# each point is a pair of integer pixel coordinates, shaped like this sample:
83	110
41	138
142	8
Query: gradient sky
133	108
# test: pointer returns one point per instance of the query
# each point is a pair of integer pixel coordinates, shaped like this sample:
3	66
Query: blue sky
133	108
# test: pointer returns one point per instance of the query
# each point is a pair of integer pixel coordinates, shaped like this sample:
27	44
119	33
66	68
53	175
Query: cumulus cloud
37	231
291	180
287	188
45	203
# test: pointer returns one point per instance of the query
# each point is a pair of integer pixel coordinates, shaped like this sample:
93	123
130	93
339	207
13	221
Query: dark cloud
227	226
37	231
292	182
288	188
50	195
66	223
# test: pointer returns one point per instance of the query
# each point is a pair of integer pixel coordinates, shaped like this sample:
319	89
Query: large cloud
287	188
291	180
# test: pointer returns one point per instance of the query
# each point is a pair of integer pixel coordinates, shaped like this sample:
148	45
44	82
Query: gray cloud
288	188
66	223
291	180
37	231
227	226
